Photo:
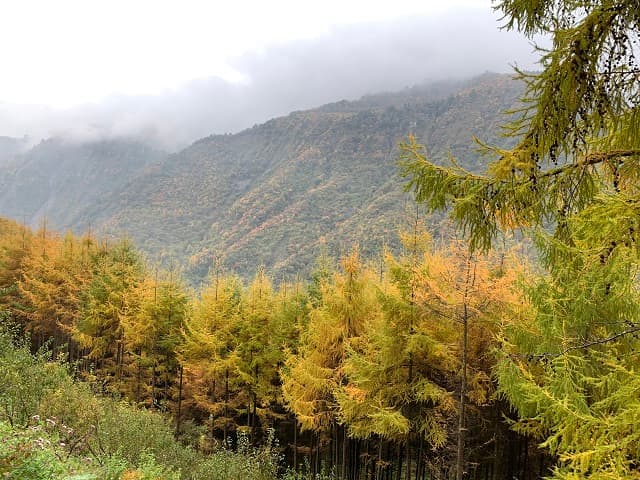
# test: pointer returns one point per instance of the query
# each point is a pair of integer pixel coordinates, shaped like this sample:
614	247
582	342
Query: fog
346	63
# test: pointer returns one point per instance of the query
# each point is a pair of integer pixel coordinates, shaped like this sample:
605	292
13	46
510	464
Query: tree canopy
571	181
578	131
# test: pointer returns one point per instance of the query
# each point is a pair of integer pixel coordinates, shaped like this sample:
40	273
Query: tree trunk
419	458
379	460
343	470
139	381
408	453
295	444
226	404
179	419
460	463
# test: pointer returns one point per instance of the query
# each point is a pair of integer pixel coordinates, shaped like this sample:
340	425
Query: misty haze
337	240
346	63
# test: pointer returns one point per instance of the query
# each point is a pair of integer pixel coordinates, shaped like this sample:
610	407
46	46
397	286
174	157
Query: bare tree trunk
139	381
408	472
460	463
317	461
226	404
153	384
379	461
295	444
419	462
343	470
469	282
179	419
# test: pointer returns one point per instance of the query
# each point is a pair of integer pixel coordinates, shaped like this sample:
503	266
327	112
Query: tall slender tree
208	354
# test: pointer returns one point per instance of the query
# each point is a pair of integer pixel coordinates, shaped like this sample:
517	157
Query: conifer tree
15	244
107	302
577	133
53	277
313	377
208	354
153	335
569	364
389	391
574	169
258	347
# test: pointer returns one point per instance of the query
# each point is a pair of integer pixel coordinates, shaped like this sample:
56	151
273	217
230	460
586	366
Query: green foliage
68	432
271	195
30	455
107	301
578	142
568	364
24	379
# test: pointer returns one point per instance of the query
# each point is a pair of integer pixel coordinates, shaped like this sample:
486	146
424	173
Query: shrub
24	379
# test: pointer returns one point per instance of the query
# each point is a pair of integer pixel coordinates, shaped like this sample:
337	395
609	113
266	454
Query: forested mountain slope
57	179
272	194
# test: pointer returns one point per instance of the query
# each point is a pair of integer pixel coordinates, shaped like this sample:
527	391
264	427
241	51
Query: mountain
57	179
10	148
273	194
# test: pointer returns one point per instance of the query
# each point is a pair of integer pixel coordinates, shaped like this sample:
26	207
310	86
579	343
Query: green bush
32	454
24	378
52	427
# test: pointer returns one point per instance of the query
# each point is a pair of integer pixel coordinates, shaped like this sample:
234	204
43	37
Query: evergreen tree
208	354
108	301
153	335
574	169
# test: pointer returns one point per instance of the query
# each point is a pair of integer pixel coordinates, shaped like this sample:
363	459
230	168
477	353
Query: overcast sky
180	70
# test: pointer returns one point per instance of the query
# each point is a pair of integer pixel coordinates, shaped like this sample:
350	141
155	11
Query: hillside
10	148
272	194
58	179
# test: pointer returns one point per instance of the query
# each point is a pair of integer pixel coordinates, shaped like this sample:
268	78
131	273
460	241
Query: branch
588	160
586	345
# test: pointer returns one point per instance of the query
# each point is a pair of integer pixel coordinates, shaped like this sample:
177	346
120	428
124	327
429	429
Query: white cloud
167	100
69	52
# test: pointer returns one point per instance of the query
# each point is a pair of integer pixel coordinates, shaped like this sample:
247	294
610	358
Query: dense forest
359	371
458	357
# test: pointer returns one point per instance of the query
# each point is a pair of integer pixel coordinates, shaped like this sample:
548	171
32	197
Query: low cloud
346	63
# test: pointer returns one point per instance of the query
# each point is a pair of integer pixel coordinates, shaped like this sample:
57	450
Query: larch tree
475	294
577	136
106	302
314	375
208	353
258	349
52	279
153	335
15	244
569	367
391	391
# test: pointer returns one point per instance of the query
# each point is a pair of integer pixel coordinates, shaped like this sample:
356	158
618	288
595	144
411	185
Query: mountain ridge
277	193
